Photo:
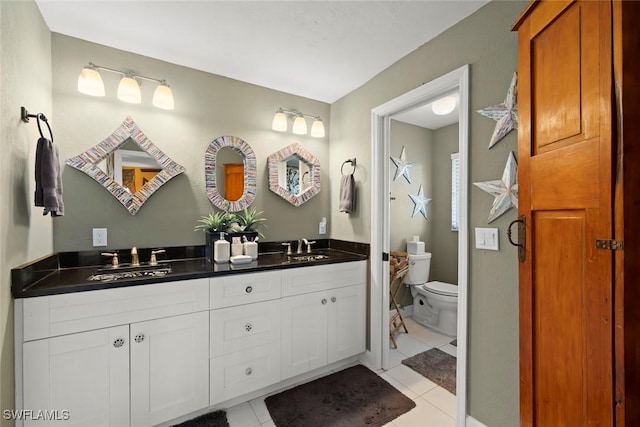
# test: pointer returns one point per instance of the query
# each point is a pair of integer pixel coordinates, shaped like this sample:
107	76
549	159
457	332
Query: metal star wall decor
506	113
419	203
402	166
504	190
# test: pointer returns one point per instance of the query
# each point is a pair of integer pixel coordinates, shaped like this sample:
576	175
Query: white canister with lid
221	250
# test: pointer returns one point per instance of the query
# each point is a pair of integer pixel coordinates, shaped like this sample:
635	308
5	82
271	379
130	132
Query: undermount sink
308	257
129	272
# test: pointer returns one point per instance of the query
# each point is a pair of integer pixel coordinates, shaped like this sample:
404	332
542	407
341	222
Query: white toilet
435	304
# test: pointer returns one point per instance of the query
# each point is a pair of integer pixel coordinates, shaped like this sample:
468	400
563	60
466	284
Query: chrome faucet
154	260
114	258
135	261
288	246
299	251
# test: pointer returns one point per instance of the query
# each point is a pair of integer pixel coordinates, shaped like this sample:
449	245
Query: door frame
380	218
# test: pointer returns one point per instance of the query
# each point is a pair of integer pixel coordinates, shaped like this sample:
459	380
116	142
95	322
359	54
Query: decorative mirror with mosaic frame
294	174
130	183
218	188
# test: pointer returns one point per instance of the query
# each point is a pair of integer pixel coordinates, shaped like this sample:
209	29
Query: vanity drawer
296	281
228	291
238	328
239	373
54	315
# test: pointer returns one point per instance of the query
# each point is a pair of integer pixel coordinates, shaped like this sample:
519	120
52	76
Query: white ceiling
317	49
424	116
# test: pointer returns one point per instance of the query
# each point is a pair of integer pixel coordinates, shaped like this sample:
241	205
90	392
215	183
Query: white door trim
380	143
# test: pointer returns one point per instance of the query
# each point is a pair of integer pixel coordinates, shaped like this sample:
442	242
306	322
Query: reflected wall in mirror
294	174
230	173
128	165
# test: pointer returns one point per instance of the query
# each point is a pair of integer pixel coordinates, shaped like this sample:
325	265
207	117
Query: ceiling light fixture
444	105
90	83
299	123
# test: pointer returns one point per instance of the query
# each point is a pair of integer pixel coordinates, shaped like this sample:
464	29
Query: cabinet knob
333	299
118	343
248	289
324	301
139	338
248	371
248	327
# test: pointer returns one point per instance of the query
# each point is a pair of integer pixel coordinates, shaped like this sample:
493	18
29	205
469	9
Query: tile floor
435	406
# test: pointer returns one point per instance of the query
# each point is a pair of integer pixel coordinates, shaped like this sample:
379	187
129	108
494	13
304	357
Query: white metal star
504	190
420	203
506	113
402	166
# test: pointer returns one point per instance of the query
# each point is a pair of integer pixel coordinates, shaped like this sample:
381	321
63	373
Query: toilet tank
419	266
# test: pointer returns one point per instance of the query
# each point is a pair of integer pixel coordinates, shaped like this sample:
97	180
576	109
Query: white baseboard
472	422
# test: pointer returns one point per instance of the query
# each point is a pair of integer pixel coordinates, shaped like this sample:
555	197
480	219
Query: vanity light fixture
444	105
90	83
299	123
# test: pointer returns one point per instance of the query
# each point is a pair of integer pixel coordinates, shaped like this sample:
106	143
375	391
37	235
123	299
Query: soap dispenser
221	250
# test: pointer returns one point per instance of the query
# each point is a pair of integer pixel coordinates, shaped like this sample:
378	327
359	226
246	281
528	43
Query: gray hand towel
48	192
347	194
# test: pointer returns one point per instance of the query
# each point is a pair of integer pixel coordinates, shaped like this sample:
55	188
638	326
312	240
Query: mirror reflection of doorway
134	178
233	181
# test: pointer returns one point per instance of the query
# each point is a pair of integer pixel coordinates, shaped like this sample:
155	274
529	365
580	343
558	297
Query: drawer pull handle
324	301
333	299
118	343
248	327
248	371
248	289
139	338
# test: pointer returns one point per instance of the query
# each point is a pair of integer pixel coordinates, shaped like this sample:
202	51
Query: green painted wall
485	41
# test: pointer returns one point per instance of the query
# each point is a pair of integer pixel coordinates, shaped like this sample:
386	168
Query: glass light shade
444	105
279	122
317	128
90	82
129	90
299	125
163	97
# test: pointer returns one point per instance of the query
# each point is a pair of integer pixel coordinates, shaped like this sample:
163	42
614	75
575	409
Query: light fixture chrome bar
298	113
126	73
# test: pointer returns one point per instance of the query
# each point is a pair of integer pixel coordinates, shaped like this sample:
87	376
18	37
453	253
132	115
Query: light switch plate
487	239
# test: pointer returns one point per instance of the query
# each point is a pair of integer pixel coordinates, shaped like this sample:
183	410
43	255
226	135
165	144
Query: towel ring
42	117
353	163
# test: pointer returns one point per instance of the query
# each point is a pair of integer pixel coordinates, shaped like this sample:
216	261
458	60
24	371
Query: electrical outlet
322	226
99	237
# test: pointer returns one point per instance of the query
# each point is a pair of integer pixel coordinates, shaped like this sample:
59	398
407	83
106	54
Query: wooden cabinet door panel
565	178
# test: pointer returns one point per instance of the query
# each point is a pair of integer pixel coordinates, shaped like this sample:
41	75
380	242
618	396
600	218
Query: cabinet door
86	374
346	322
169	368
304	333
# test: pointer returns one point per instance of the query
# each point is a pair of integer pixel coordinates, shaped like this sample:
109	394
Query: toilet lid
442	288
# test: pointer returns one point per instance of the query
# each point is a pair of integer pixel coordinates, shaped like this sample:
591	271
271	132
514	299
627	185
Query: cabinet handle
248	289
139	338
118	343
324	301
248	327
333	299
248	371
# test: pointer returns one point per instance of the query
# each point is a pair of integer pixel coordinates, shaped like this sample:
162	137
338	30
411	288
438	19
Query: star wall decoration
419	203
402	166
505	190
506	113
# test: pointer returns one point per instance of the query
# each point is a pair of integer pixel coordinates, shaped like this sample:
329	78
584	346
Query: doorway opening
382	118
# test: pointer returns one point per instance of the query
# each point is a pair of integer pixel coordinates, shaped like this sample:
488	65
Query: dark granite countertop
69	272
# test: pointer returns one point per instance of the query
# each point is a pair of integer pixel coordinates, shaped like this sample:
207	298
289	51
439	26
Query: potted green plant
250	220
213	224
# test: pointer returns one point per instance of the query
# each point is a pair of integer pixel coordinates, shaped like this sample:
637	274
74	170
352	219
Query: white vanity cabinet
141	363
327	324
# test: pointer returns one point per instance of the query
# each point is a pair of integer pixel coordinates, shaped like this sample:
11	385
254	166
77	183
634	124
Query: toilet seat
441	288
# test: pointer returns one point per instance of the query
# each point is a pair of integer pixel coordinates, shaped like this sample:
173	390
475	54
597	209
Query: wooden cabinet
322	327
578	175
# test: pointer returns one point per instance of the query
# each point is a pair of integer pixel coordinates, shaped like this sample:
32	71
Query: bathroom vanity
143	352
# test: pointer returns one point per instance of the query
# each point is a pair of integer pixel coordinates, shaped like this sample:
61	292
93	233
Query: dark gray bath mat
435	365
353	397
212	419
